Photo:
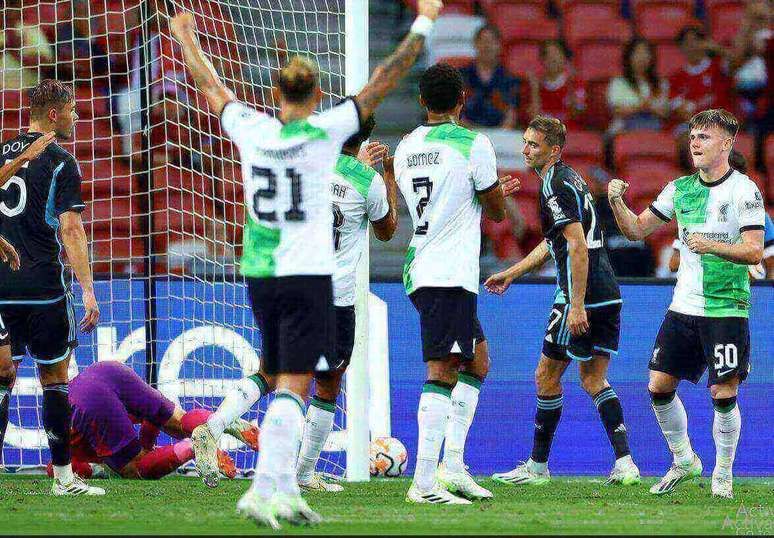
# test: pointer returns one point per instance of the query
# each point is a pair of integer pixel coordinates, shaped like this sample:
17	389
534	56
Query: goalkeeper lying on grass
107	399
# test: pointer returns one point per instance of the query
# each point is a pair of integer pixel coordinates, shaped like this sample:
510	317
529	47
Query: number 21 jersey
440	170
286	169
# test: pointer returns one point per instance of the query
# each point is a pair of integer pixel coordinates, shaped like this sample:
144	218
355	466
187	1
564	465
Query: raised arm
385	227
204	74
634	227
10	168
390	72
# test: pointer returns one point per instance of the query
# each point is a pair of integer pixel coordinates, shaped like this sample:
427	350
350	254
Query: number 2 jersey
359	195
708	285
30	205
440	170
564	199
286	169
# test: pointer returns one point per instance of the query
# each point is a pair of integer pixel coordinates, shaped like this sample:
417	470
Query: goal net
163	184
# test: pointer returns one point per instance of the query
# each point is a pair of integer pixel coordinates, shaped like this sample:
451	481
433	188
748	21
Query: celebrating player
43	198
286	163
446	173
585	318
360	195
108	398
720	218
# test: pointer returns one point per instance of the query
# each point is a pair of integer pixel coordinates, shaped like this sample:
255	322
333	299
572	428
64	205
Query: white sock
624	461
319	423
280	435
674	425
63	473
237	402
725	430
464	399
433	414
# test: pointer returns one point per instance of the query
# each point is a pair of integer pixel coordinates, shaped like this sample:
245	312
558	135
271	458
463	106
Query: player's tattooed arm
10	168
748	252
390	72
498	283
634	227
206	78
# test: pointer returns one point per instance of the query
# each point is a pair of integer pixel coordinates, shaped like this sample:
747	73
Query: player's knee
547	382
592	384
724	390
328	388
443	370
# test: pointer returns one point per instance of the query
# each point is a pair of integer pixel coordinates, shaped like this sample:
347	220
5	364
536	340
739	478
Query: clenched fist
616	189
429	8
183	25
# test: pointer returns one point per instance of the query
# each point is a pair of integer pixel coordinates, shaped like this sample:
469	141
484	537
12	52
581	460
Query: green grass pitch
566	505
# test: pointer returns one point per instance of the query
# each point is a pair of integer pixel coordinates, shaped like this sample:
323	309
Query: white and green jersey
359	195
286	171
440	169
708	285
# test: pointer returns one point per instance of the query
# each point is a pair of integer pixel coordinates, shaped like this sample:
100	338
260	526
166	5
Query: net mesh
189	212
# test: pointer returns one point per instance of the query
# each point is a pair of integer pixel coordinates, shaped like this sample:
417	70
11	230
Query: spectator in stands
493	95
558	93
702	82
747	62
638	99
26	55
78	55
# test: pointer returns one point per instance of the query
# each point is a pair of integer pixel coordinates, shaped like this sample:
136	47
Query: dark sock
549	411
724	405
611	413
5	403
662	398
56	421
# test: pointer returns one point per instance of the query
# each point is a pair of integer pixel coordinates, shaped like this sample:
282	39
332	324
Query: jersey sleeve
564	205
483	164
339	122
664	205
750	212
67	192
239	121
377	204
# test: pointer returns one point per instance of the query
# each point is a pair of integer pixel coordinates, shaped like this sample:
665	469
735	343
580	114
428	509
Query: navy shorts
601	339
45	331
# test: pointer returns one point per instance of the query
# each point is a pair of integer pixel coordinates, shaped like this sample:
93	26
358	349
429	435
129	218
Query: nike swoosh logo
724	372
684	211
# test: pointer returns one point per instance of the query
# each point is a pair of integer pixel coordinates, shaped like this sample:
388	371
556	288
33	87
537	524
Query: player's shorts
345	340
601	339
46	331
687	345
5	336
104	397
296	317
448	319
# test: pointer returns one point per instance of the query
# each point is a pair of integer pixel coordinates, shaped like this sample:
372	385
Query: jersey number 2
420	183
295	213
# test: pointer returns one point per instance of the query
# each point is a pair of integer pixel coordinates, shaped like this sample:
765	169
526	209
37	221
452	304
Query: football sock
193	419
56	422
80	468
319	423
549	411
433	414
464	399
237	402
725	430
280	435
161	461
611	413
5	402
673	421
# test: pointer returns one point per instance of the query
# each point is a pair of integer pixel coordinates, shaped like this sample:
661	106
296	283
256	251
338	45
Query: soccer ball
388	457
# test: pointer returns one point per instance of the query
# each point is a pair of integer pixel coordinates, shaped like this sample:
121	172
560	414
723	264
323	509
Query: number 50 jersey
440	169
287	169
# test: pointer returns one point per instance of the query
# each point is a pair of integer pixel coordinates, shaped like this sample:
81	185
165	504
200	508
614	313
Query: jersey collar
718	182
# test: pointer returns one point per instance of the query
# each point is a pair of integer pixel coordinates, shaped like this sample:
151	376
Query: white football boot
205	449
75	488
722	484
625	474
523	475
437	495
676	475
260	510
318	483
461	484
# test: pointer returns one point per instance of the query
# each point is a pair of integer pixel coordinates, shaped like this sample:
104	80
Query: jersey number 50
269	193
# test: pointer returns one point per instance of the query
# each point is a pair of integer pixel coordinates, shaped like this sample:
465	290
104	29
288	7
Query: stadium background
167	206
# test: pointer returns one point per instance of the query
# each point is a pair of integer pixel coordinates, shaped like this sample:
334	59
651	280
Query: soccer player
720	218
42	204
446	174
585	319
107	399
360	195
287	163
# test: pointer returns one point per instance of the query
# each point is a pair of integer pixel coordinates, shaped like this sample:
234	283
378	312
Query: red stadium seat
724	17
584	146
598	60
597	114
669	59
648	180
768	154
523	57
526	10
462	7
529	206
643	146
530	182
594	22
639	5
526	29
662	21
745	144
